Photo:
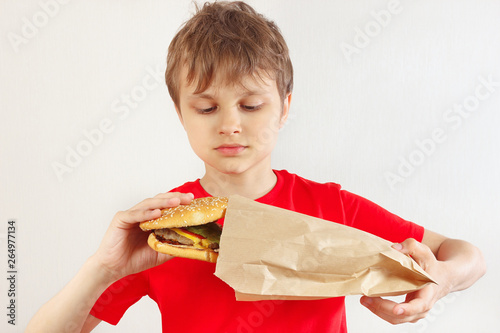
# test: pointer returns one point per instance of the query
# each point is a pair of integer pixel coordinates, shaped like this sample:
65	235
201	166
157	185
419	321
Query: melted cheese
197	240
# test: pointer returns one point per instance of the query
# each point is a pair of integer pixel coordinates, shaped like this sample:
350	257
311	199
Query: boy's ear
286	109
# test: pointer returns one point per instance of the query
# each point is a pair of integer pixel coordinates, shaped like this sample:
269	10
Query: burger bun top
199	211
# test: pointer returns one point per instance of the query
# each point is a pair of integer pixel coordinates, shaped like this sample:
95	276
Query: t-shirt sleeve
122	294
365	215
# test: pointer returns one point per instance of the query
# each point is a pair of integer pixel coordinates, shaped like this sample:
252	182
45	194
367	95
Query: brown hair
229	39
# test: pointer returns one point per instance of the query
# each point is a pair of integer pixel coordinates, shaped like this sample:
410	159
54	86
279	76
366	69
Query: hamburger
188	231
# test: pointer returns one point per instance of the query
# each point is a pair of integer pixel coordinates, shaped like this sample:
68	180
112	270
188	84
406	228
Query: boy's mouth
230	150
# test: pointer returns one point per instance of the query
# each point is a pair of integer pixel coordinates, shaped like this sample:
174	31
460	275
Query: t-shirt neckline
267	198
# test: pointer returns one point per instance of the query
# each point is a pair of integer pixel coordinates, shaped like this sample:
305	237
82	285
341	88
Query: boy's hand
418	303
124	249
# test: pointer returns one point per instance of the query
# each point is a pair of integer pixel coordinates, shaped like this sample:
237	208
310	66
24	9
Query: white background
67	67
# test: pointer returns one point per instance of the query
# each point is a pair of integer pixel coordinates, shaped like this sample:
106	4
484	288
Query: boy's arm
453	263
123	251
90	323
69	309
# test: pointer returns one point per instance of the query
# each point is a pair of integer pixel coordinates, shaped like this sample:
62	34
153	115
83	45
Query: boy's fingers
380	307
418	251
180	195
419	304
414	248
137	215
156	203
151	208
415	308
186	198
165	200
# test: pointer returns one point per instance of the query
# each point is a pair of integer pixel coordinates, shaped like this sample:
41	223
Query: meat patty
170	234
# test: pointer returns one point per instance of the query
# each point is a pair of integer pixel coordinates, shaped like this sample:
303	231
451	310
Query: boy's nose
229	122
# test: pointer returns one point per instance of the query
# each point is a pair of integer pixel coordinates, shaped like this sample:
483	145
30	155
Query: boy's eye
207	110
251	107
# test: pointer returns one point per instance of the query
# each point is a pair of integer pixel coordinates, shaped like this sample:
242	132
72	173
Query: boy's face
233	128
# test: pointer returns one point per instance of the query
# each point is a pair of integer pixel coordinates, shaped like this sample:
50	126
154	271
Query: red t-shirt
192	299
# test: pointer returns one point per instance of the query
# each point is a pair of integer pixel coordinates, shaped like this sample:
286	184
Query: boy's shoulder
292	178
292	188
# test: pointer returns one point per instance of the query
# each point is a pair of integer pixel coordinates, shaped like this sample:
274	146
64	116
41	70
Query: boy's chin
237	165
232	171
229	168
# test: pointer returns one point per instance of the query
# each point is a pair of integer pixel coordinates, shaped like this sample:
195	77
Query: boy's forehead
258	84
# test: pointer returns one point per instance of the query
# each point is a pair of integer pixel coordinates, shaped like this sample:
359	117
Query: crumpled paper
272	253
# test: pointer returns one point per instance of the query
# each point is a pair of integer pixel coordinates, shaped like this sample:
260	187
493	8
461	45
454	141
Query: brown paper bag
272	253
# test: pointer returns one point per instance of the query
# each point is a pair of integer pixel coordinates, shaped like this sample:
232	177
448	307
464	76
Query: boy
230	77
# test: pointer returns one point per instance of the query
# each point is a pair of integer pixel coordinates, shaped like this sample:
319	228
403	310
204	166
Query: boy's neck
249	184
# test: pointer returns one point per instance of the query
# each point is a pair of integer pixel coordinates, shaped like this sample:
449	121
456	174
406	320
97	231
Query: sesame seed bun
199	211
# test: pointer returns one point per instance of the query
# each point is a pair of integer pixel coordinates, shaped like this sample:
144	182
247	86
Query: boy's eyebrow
201	95
245	94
